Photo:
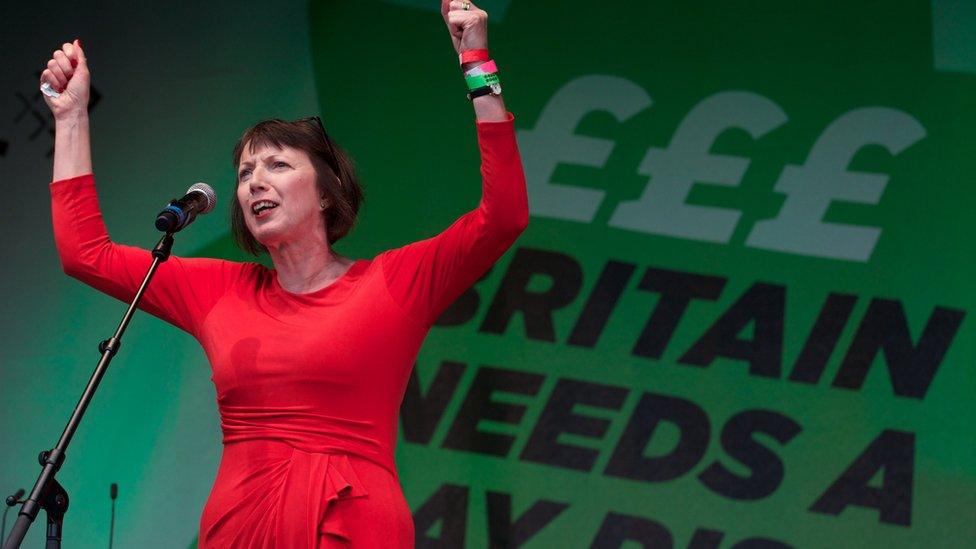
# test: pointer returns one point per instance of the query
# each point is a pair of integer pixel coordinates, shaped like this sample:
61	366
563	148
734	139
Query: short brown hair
335	175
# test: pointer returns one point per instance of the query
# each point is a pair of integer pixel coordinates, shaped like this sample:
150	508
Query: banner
739	317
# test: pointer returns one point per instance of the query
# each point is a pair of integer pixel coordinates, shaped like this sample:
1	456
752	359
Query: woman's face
277	191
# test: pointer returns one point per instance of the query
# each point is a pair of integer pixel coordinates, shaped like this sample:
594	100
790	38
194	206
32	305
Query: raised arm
183	289
67	75
426	276
469	31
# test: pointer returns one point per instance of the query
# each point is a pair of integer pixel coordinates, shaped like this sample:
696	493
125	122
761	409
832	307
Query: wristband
481	80
483	68
470	56
482	91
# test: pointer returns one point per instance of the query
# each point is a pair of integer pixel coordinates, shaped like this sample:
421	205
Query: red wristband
470	56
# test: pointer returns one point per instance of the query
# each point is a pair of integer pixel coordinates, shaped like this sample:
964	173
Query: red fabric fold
292	499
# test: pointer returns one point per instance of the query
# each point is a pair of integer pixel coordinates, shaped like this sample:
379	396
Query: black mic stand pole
47	493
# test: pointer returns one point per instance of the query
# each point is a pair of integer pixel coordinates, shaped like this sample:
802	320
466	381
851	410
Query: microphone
180	212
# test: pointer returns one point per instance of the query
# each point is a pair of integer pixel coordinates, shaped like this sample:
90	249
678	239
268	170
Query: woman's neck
306	266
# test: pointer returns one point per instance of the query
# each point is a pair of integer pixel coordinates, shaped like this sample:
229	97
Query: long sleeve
181	292
426	276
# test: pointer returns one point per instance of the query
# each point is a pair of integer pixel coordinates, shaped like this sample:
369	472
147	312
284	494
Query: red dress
308	386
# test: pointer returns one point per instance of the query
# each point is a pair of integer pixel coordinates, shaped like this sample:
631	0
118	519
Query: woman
310	359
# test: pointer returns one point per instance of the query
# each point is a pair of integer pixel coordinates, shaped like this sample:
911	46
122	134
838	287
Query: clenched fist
67	73
468	27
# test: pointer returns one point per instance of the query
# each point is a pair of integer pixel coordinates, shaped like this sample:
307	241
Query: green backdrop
738	317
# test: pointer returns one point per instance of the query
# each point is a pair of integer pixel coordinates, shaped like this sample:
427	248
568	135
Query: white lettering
663	209
810	188
553	141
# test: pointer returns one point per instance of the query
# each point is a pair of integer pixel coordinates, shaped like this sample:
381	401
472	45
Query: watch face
496	89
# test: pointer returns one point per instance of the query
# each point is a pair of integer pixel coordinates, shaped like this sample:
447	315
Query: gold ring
465	6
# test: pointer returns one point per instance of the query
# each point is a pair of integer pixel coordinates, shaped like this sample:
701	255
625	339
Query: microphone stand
11	501
47	493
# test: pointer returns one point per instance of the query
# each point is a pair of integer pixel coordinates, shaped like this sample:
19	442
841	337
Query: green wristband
481	80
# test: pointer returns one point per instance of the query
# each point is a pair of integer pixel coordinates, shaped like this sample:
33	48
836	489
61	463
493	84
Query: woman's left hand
469	27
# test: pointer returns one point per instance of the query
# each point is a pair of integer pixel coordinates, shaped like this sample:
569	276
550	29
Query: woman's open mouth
262	208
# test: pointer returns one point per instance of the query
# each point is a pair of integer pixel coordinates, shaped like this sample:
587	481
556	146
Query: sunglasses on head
333	160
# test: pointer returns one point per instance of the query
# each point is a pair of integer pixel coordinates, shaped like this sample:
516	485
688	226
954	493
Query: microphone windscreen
207	191
114	491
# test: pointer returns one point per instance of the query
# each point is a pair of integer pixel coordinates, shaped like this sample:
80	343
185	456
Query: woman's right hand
67	73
